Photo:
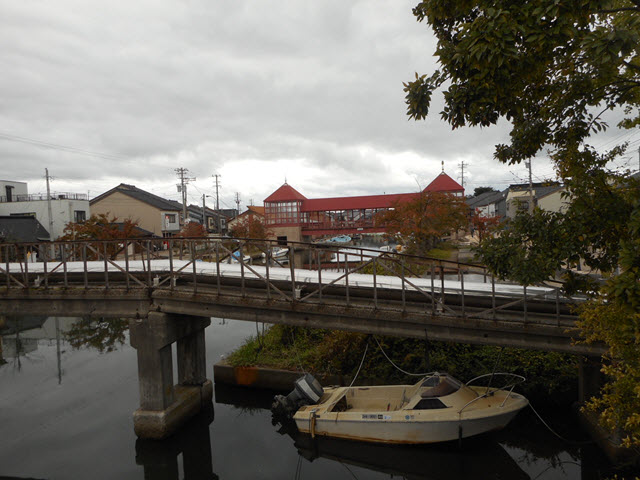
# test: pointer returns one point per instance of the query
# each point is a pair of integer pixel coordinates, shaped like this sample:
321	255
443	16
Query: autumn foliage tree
483	224
425	219
251	226
100	227
193	229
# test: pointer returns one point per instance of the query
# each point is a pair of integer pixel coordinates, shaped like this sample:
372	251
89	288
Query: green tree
552	69
480	190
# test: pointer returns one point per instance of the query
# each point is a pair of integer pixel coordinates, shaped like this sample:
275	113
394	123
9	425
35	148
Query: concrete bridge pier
164	407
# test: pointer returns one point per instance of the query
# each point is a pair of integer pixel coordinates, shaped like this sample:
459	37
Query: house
18	229
21	229
252	212
216	221
489	204
553	200
15	200
519	197
155	214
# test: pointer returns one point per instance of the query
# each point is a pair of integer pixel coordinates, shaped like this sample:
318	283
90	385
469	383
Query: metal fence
294	272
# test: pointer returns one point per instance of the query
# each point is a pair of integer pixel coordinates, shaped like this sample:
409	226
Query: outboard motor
307	391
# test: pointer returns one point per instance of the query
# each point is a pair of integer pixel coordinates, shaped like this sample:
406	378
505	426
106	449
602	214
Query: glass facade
283	213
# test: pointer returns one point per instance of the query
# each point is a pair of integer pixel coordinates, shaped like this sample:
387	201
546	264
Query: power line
55	146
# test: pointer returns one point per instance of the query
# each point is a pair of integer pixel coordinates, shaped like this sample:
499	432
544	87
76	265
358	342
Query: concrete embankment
267	378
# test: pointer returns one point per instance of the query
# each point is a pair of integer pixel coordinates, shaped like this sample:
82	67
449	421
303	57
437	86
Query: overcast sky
255	91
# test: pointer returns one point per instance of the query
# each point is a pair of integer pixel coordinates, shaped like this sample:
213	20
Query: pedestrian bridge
314	285
171	288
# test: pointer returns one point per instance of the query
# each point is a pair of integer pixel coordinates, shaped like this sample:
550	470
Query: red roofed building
292	216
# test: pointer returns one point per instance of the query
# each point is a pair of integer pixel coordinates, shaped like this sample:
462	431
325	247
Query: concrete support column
155	377
192	365
163	406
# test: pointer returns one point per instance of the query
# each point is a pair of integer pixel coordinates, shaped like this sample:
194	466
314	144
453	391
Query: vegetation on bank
550	376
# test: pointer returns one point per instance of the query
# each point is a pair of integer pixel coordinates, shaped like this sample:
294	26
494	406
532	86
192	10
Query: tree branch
618	10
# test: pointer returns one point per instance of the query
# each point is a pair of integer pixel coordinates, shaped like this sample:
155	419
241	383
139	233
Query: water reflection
103	335
160	458
20	338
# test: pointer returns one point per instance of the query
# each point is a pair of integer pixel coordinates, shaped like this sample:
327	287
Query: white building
65	207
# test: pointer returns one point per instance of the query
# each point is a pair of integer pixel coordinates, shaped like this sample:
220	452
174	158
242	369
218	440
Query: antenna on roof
285	180
442	166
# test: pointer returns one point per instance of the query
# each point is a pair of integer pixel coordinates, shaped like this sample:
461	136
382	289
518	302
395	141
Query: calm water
66	412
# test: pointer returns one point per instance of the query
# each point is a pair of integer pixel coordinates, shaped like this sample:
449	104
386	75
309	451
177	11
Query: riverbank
552	378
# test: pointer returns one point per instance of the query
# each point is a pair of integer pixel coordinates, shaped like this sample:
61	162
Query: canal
68	388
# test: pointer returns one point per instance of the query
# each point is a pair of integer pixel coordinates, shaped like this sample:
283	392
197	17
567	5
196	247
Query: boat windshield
439	386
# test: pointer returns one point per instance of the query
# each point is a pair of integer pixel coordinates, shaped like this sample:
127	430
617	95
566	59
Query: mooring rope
366	347
403	371
573	442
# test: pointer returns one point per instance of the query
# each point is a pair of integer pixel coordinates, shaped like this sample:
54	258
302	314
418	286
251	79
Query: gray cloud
258	91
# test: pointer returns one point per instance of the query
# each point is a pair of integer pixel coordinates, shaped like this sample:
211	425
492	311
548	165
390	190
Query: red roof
444	183
354	203
284	194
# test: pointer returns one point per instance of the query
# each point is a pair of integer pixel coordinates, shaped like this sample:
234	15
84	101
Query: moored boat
438	408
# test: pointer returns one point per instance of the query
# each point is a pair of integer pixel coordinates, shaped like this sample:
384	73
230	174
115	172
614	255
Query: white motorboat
438	408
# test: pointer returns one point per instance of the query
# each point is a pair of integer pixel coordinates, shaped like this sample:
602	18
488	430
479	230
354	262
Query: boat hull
404	431
467	413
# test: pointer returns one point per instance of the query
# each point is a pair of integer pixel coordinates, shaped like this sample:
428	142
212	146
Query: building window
26	214
79	216
9	191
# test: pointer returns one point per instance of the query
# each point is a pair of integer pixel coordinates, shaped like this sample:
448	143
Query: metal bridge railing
295	272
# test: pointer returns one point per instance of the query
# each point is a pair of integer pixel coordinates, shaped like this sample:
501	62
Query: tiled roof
256	209
486	198
284	194
444	183
22	229
142	196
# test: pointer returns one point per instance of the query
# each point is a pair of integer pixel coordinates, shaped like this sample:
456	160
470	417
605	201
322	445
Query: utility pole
528	164
204	213
49	210
237	203
217	176
462	165
182	188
